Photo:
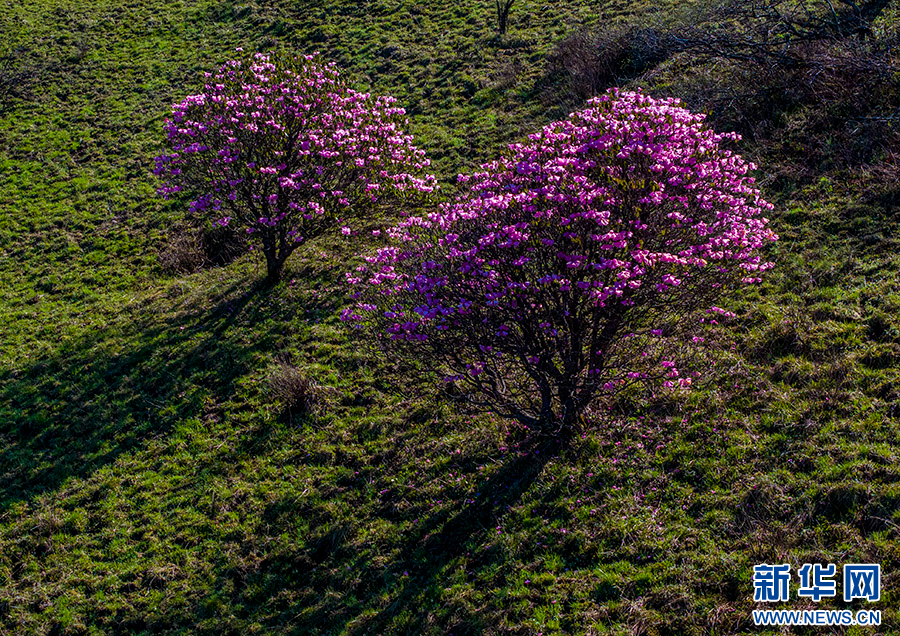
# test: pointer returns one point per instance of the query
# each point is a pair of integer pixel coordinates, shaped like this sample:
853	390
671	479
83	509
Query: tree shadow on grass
326	584
442	540
81	408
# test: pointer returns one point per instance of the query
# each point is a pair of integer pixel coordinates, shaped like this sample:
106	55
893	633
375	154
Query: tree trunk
274	261
273	271
503	7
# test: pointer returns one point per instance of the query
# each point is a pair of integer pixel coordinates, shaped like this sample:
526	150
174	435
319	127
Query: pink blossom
285	145
579	264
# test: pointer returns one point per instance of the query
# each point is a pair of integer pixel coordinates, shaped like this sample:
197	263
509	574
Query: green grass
150	483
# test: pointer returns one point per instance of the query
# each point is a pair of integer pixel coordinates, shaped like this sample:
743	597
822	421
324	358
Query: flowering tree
282	147
583	262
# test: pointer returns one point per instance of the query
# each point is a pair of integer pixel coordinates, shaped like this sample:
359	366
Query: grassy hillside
151	482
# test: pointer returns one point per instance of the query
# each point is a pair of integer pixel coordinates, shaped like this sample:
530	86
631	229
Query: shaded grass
80	409
151	483
389	513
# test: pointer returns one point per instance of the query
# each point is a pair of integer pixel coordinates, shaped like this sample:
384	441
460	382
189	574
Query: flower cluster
582	262
281	146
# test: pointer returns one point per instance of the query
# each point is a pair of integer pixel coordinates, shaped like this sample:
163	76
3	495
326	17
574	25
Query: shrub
182	254
813	85
293	390
281	148
191	249
503	9
586	63
582	263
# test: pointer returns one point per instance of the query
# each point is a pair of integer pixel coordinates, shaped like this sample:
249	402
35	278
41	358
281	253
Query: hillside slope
152	484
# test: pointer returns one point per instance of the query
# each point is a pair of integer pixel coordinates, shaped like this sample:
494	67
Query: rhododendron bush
281	147
585	261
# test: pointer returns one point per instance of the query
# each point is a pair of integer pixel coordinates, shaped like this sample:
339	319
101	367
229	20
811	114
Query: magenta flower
287	148
579	265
